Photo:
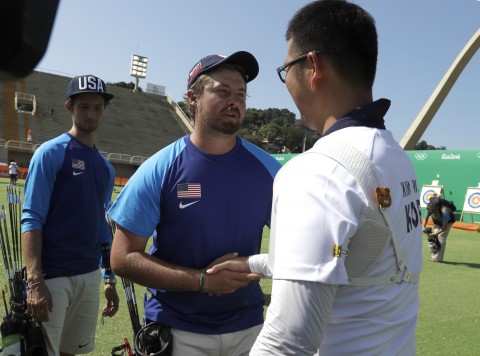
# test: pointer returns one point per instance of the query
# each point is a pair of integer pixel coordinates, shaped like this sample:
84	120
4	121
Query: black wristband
110	280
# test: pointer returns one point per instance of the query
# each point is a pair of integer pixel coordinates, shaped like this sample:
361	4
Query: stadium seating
135	125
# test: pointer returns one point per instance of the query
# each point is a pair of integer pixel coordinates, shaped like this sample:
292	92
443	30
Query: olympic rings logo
422	156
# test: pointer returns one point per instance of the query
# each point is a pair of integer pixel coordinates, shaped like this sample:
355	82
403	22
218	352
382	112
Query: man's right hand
227	274
227	281
237	264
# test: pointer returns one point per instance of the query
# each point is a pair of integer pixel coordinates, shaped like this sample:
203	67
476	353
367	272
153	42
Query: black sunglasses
283	70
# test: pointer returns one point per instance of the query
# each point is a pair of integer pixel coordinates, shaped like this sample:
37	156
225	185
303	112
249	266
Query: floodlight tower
138	69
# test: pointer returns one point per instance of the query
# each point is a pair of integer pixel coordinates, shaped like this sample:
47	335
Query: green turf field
449	314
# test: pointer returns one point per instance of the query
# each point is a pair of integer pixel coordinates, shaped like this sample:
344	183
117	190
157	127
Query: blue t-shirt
66	191
200	207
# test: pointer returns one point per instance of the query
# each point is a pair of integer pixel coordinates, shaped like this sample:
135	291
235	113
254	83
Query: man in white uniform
355	190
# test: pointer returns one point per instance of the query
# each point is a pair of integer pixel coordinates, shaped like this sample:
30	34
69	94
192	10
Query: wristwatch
110	280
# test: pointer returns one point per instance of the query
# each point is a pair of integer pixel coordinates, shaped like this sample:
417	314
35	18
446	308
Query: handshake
427	230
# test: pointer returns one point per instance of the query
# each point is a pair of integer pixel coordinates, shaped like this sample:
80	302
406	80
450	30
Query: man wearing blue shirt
64	229
205	196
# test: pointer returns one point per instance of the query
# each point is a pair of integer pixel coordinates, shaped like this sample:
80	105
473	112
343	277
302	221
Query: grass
449	298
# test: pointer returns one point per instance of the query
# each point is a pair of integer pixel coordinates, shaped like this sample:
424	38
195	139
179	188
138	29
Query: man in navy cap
64	228
205	196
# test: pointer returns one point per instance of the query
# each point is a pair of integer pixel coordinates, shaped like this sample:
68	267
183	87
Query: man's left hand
112	300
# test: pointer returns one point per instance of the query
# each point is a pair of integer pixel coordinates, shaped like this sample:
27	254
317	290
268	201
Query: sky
418	42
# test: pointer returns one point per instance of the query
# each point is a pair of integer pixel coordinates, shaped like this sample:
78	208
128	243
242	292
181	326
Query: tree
130	85
277	130
274	130
256	140
184	106
423	145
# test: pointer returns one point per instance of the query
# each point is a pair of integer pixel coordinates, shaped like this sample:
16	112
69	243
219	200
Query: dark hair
433	203
343	28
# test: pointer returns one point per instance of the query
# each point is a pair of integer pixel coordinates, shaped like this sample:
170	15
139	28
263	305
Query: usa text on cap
87	84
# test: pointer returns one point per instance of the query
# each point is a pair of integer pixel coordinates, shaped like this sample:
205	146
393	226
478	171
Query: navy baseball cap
87	84
242	58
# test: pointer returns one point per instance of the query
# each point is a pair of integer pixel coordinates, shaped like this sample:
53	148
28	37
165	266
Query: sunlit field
449	295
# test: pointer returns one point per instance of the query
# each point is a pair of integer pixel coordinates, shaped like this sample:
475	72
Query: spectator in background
443	217
345	244
13	172
64	229
204	196
29	135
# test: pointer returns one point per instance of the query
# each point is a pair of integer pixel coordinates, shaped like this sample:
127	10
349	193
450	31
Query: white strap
360	166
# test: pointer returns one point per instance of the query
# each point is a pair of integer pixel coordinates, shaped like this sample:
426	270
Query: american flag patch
189	190
78	164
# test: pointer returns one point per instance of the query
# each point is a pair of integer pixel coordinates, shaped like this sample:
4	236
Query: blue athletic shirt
66	191
201	207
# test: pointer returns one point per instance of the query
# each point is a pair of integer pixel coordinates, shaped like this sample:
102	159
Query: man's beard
226	127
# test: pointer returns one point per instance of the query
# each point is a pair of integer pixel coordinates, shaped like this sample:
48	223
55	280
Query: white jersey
317	205
13	168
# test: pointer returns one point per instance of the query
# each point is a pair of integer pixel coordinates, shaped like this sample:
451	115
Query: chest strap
376	230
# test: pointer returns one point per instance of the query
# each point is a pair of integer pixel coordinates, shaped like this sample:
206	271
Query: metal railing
19	146
138	159
30	147
119	157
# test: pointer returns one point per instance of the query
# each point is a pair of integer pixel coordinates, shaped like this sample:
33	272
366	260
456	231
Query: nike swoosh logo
183	206
77	173
82	346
